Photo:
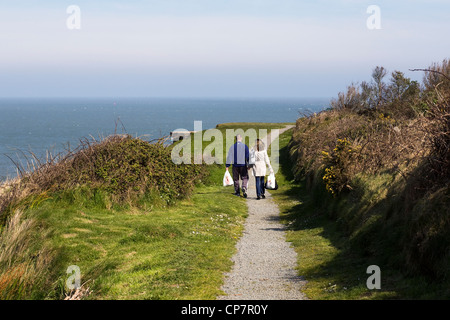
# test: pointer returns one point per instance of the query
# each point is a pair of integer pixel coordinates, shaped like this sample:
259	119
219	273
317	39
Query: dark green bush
126	166
125	169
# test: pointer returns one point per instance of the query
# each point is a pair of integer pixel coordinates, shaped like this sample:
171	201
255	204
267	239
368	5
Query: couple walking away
239	156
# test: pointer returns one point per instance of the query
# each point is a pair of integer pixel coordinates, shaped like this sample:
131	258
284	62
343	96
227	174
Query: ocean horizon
42	125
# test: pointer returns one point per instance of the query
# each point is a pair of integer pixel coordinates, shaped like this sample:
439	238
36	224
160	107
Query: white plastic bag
271	183
227	179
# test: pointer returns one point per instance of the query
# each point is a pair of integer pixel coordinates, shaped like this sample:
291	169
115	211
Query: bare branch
435	71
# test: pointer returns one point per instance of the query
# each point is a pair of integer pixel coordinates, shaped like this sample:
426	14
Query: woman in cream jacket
259	168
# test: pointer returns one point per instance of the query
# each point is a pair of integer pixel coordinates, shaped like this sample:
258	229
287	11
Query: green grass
147	250
178	252
150	250
334	265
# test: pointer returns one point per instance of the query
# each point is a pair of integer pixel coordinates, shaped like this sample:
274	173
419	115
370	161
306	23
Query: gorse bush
337	164
123	167
395	125
126	166
119	170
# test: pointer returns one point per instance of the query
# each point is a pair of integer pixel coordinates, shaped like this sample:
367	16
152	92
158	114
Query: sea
50	125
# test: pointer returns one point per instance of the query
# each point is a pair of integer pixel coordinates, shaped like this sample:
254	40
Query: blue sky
212	48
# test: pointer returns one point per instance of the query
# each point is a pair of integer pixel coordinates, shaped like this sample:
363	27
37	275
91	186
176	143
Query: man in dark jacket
238	156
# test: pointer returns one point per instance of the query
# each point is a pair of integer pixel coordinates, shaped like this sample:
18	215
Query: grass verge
179	252
333	267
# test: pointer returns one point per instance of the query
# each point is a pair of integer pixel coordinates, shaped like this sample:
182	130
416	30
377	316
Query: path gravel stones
264	264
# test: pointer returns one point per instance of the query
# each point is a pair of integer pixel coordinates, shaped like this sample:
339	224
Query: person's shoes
237	194
263	196
245	193
258	198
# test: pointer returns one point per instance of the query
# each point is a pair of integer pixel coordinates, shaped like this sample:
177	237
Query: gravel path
264	264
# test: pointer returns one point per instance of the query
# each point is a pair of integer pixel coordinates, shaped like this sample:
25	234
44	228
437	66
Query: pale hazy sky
213	48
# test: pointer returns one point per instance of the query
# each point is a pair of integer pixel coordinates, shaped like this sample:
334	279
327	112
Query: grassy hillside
370	186
137	225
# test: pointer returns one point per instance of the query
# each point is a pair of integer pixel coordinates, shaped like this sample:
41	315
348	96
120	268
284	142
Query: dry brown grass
78	294
21	265
378	143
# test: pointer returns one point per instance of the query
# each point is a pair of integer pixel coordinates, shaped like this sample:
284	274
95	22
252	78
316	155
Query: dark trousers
259	186
240	173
